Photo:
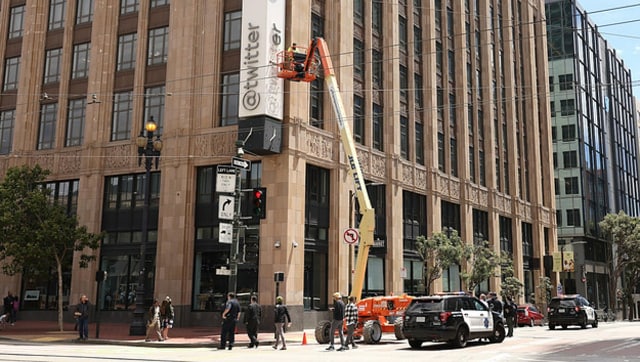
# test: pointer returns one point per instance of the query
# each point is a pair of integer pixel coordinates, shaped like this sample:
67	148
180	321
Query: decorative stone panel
120	156
378	165
70	162
421	179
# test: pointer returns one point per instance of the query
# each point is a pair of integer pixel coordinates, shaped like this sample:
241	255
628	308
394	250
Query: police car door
483	318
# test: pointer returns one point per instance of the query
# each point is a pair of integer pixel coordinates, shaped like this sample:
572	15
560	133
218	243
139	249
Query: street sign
241	163
226	179
226	206
351	236
225	235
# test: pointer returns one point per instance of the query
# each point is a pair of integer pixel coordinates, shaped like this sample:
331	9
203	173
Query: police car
454	318
571	309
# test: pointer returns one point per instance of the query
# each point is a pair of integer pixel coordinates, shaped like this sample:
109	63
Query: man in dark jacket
252	318
8	307
82	315
510	310
336	323
230	316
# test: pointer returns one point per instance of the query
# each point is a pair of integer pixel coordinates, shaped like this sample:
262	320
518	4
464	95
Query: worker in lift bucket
296	58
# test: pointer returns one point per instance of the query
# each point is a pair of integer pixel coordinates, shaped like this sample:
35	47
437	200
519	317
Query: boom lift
377	314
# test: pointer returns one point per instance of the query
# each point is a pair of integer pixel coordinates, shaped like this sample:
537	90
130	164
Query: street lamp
149	149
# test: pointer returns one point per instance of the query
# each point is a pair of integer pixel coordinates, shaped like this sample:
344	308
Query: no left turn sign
351	236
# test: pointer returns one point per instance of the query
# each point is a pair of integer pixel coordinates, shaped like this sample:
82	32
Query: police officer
230	316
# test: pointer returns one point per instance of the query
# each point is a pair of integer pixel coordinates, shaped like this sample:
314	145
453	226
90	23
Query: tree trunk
60	291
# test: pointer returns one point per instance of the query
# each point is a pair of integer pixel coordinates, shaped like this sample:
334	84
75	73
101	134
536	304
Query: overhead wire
483	102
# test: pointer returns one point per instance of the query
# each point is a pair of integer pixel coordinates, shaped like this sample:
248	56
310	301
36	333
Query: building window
378	127
232	30
358	119
122	116
414	216
573	217
555	160
230	99
552	106
158	45
127	51
571	186
315	102
404	137
419	97
47	129
358	11
376	17
16	22
568	132
404	85
11	73
154	107
6	131
156	3
81	60
441	151
84	11
56	14
317	25
52	66
454	156
358	58
567	107
376	68
558	217
570	159
550	84
419	143
417	43
75	123
403	34
566	81
129	6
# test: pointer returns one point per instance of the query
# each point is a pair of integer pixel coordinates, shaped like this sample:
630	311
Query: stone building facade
447	100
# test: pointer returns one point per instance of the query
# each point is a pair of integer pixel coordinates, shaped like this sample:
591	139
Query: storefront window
118	292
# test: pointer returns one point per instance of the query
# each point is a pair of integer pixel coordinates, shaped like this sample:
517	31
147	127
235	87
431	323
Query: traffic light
259	202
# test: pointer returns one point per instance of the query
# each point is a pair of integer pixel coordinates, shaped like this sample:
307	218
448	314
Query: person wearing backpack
510	309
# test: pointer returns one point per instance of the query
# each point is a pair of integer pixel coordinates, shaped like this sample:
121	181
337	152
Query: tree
624	232
510	286
483	262
438	252
37	234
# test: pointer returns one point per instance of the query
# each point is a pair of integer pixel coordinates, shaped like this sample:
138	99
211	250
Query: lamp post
149	149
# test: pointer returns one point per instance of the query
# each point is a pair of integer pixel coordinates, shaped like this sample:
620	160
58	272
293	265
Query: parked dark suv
571	309
453	318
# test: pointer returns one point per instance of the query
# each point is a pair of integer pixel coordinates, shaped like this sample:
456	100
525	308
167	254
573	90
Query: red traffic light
257	194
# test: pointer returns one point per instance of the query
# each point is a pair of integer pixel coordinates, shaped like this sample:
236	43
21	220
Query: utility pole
234	253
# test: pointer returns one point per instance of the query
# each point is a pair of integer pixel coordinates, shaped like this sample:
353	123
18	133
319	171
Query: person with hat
282	316
167	315
336	323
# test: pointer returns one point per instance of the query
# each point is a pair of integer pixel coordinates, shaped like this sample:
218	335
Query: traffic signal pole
234	253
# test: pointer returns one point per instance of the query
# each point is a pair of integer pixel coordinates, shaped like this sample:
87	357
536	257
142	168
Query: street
614	341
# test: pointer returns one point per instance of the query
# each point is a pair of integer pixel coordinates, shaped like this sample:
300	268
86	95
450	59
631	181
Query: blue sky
625	38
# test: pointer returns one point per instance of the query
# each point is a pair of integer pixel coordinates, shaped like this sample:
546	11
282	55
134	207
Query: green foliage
624	232
438	252
37	234
484	264
510	286
546	287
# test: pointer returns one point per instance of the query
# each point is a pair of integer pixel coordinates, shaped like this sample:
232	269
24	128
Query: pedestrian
510	309
351	318
82	318
483	299
252	320
167	313
282	316
8	307
230	316
14	310
494	303
336	323
153	326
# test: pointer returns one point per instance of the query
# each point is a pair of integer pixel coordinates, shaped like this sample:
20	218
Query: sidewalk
118	333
